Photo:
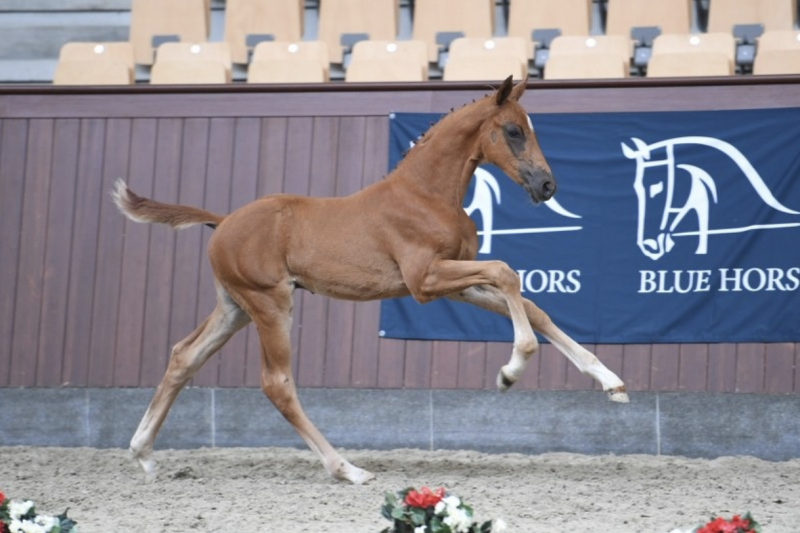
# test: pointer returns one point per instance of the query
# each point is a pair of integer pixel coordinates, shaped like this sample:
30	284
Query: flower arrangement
20	516
737	524
427	511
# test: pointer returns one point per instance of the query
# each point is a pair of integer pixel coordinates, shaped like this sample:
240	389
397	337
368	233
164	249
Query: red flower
2	498
424	498
720	525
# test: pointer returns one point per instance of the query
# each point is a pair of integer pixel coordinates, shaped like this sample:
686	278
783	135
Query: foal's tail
144	210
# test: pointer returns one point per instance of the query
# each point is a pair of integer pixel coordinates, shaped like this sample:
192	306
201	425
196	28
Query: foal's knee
281	392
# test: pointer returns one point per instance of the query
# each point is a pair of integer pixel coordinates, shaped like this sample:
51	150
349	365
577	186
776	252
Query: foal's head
508	141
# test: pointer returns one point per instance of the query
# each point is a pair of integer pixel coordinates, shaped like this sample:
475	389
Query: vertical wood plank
129	351
471	365
161	255
693	375
750	367
84	249
780	368
417	371
57	253
552	368
636	367
366	345
722	367
28	303
108	268
664	367
444	366
13	153
391	361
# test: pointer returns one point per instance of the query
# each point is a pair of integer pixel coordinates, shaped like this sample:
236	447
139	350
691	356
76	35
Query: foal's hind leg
187	358
271	312
491	299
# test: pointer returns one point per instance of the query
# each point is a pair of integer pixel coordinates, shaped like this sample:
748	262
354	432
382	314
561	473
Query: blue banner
666	227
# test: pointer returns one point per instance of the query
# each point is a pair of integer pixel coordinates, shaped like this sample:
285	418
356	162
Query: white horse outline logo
487	193
702	193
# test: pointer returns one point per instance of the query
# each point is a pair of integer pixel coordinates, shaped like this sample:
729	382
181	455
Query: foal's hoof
618	394
503	382
353	474
148	465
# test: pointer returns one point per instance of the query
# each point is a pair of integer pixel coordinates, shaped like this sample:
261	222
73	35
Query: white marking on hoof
148	464
619	396
353	474
503	381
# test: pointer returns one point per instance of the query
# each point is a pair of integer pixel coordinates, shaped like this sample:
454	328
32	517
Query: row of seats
571	57
435	22
707	54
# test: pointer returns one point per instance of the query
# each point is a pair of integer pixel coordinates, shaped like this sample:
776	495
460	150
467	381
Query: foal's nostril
548	189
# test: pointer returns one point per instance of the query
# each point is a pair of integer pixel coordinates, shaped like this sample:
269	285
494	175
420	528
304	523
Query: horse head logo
484	198
487	192
660	211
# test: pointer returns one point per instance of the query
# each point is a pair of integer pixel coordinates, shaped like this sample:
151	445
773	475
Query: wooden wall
88	298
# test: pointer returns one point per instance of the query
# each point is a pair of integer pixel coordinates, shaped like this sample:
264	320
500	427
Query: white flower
47	522
449	503
420	529
18	509
499	526
26	526
458	520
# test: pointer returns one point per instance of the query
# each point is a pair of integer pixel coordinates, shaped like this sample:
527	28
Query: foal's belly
349	279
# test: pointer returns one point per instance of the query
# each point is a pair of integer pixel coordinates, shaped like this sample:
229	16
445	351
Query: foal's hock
406	235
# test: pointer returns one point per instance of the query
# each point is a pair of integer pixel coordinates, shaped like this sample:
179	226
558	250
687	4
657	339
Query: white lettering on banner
730	280
560	281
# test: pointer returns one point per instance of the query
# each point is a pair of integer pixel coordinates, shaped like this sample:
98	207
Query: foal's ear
509	89
504	91
519	89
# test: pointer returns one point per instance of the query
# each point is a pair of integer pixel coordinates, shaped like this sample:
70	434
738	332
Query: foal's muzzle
539	183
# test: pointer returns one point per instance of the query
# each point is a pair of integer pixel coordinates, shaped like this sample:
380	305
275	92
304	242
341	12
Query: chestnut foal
405	235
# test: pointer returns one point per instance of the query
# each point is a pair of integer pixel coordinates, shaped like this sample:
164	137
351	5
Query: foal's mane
445	122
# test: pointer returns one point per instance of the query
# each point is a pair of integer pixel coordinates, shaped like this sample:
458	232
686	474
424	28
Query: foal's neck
443	160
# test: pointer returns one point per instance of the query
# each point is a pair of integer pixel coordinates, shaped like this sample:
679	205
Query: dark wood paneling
665	360
750	367
779	367
636	366
33	232
129	352
60	213
693	375
88	298
13	149
161	256
109	255
722	367
471	366
552	369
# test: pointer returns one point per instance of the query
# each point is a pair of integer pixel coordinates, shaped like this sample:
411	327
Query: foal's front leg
488	298
457	278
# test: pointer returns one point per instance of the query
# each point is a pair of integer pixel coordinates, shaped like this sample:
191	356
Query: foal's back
342	247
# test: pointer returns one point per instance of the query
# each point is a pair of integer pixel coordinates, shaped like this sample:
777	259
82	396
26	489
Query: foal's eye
514	131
